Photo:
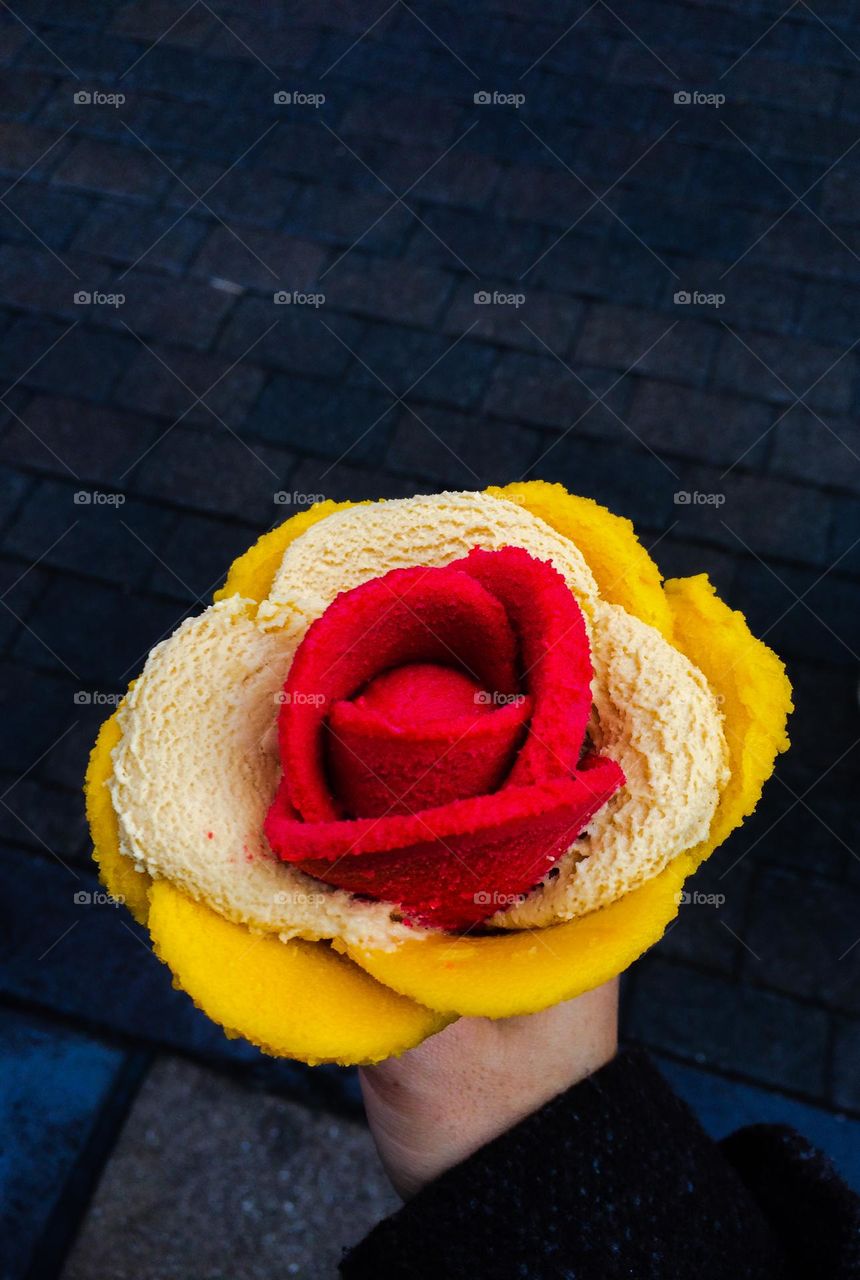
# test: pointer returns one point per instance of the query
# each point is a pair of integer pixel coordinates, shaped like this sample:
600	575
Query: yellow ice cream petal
497	977
116	872
293	999
752	688
252	573
624	571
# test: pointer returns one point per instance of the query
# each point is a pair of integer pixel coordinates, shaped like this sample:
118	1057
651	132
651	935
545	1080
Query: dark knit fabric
616	1178
803	1197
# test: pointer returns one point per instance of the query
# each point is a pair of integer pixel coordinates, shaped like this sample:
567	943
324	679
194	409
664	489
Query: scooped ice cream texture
196	766
447	817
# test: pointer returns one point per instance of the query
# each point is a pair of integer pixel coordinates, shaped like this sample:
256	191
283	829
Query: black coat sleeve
616	1178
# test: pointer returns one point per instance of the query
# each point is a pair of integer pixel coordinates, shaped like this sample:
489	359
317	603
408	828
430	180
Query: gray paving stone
515	316
125	234
754	514
218	473
699	424
708	1020
667	347
75	440
802	938
397	291
342	482
845	535
824	724
756	297
633	483
802	820
211	1179
541	391
289	338
824	448
705	931
779	369
260	259
75	528
121	171
454	449
803	613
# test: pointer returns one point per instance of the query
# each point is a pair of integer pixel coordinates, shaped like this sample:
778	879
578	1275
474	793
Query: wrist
458	1091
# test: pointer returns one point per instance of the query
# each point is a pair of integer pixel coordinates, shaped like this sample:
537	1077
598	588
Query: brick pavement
598	198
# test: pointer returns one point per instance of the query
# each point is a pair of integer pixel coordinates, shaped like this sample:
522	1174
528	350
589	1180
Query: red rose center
423	693
432	734
418	736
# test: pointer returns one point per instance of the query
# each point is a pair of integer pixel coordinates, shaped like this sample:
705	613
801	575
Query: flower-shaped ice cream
424	758
442	786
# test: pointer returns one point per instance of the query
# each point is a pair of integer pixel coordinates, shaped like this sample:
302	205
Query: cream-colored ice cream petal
362	542
195	772
657	717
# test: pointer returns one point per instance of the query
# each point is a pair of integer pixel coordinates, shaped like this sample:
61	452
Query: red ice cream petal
554	653
455	865
409	615
378	768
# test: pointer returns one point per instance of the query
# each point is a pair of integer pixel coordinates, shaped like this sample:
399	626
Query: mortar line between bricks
748	983
175	508
139	497
431	328
79	576
734	1076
